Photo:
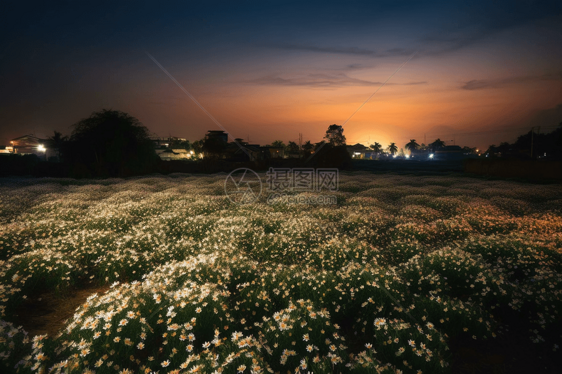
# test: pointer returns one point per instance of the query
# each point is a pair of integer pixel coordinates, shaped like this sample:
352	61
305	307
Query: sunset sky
482	72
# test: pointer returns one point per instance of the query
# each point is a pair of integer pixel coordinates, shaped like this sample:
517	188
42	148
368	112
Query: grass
405	274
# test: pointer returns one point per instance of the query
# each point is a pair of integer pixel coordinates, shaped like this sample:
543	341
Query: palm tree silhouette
392	148
57	142
377	148
412	145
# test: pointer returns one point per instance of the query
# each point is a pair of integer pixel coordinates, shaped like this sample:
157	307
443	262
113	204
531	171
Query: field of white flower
379	283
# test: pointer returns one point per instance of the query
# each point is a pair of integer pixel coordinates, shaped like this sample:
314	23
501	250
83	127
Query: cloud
452	29
480	84
353	67
337	50
356	51
322	80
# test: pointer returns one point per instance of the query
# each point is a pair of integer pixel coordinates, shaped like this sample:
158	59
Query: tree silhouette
556	139
377	148
504	148
329	156
437	144
197	146
278	143
392	148
293	147
543	144
57	142
307	148
111	142
412	145
334	135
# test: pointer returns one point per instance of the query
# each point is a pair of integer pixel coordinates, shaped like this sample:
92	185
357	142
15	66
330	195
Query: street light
41	148
431	155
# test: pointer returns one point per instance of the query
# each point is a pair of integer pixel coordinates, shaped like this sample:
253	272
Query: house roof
29	137
357	147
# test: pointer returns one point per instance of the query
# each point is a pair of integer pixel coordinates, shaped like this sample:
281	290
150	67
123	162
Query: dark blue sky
270	70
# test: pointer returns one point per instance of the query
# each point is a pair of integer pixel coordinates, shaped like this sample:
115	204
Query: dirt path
47	313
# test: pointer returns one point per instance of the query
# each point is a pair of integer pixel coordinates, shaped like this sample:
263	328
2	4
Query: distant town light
191	152
393	156
407	156
41	148
431	155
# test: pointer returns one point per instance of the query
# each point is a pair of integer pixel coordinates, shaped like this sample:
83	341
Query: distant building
274	152
359	151
240	141
242	151
172	148
449	152
169	154
217	134
164	142
238	150
251	152
420	153
30	144
6	149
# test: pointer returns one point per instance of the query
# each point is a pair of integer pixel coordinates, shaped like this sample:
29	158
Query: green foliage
334	135
110	143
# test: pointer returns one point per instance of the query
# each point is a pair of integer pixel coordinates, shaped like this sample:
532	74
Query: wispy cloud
320	49
356	51
354	67
476	25
480	84
322	80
